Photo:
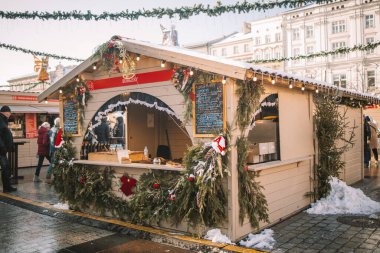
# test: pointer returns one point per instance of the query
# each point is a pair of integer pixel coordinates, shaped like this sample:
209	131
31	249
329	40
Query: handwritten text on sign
209	109
70	117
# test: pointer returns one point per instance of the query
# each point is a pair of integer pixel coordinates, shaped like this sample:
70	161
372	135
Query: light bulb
303	88
60	91
317	91
290	85
163	63
255	78
46	102
78	79
191	72
138	57
94	67
120	61
224	80
273	80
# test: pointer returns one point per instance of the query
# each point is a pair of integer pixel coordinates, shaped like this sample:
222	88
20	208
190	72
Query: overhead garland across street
33	52
183	12
341	50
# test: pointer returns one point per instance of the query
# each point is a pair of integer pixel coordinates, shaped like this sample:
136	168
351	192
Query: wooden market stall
27	115
169	99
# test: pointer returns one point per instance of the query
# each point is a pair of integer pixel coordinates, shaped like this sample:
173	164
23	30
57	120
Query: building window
224	52
267	55
236	49
370	40
263	138
337	45
309	32
371	78
340	80
267	39
310	50
214	52
296	34
278	37
247	48
369	21
277	54
338	26
257	41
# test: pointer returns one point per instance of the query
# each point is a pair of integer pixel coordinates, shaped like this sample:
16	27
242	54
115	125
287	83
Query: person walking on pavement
373	142
52	136
43	148
367	137
6	145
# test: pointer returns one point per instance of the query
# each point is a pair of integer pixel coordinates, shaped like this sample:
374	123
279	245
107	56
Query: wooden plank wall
285	188
353	171
27	154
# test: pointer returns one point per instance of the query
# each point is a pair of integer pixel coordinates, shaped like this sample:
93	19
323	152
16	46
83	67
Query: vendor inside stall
139	123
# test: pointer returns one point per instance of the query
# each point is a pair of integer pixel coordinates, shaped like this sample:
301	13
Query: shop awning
47	109
25	109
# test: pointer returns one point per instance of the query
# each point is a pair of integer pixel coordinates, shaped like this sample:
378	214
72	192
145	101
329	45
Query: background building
314	28
26	82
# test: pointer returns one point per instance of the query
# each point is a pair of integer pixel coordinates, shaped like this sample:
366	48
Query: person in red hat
6	145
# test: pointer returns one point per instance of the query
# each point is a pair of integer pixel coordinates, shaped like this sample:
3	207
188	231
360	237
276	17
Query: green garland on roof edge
252	201
183	12
333	141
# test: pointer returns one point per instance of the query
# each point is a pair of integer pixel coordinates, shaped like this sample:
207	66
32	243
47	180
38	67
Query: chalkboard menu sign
209	109
70	117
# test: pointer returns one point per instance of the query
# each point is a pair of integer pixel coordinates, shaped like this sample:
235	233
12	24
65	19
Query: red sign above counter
141	78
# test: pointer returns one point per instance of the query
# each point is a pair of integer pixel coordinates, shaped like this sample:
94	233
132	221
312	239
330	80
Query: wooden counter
130	165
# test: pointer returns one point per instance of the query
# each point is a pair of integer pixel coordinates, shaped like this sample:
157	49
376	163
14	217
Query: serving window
263	137
17	125
138	126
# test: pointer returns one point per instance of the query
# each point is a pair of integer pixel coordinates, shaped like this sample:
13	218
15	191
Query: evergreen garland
152	201
85	187
341	50
183	12
331	128
73	90
249	94
201	200
251	199
33	52
183	79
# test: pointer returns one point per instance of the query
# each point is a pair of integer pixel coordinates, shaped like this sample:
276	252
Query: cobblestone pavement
26	231
324	233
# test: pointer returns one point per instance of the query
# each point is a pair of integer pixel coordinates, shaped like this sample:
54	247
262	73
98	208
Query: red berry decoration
190	179
246	168
156	186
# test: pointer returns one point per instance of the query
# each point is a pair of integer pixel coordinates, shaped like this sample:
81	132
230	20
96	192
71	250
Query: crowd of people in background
47	143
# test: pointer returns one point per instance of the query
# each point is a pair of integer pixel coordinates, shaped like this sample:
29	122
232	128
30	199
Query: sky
79	39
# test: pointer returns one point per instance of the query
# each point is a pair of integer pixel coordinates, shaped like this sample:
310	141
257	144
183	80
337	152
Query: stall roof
25	109
209	63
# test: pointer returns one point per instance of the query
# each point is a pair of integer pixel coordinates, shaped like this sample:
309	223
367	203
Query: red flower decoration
111	44
156	185
190	179
127	185
82	181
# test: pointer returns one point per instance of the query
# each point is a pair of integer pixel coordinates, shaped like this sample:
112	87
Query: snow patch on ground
263	241
344	199
215	235
63	206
